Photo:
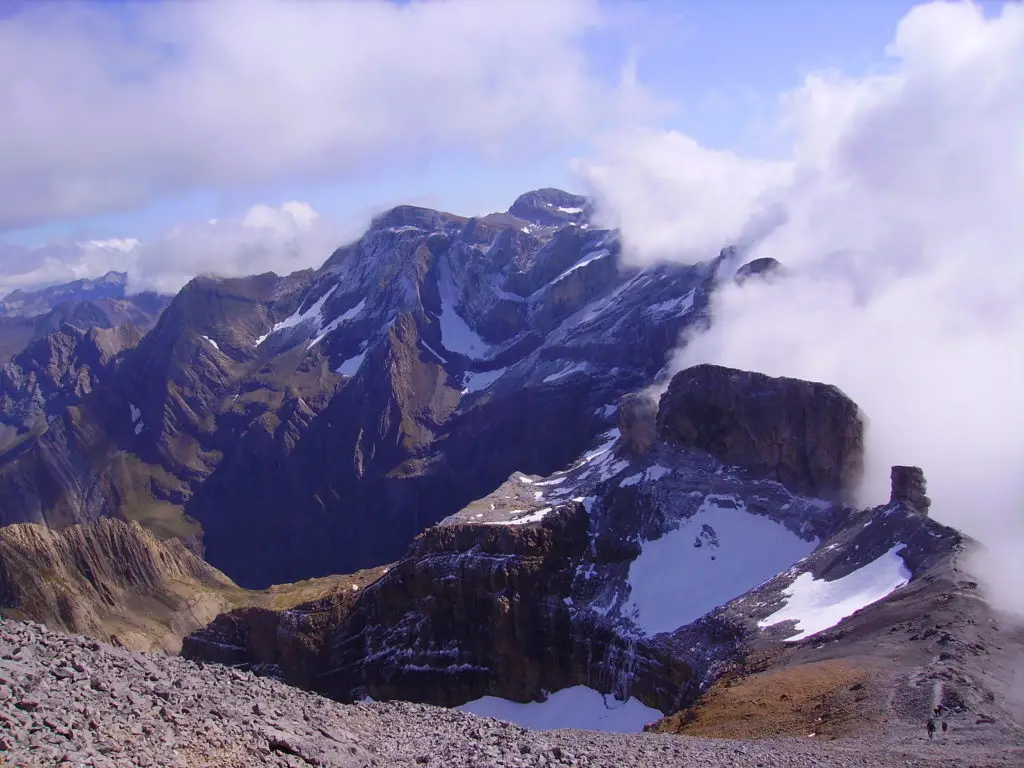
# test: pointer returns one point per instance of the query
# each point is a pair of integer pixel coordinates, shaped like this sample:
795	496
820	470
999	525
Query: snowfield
817	605
714	556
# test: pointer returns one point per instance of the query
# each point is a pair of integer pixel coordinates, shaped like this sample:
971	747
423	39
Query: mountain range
452	466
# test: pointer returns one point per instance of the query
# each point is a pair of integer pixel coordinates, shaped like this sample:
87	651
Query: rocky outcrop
764	268
290	644
109	578
638	422
806	435
908	487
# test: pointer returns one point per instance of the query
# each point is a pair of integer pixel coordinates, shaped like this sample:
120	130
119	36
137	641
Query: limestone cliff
805	435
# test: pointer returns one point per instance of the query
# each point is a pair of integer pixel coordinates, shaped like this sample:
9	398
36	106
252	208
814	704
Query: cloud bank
108	106
898	216
281	239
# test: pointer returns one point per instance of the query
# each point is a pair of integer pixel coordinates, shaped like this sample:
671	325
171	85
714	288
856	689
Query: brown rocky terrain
112	579
69	701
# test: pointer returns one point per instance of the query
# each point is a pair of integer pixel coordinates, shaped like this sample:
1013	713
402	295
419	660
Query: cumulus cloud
110	105
281	239
898	216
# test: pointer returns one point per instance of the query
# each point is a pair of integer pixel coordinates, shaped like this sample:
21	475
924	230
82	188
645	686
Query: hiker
931	728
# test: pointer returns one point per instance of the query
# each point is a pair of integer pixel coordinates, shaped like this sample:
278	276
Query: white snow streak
298	318
591	257
211	342
478	381
433	351
672	307
343	318
567	371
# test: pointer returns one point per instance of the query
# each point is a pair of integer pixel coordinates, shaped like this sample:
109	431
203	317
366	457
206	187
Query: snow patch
579	707
552	481
673	307
607	441
565	372
298	317
211	342
657	472
333	325
350	366
817	605
534	517
588	259
714	556
474	382
570	210
136	412
632	480
141	425
456	335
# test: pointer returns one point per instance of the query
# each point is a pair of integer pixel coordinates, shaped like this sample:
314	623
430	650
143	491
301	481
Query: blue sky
721	63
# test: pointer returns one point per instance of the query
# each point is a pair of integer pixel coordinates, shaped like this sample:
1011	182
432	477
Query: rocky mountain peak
763	268
414	216
549	207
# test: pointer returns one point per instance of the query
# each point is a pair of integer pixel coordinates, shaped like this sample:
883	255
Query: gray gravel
70	701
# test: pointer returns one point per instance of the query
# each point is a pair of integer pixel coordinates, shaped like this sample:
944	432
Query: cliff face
472	610
805	435
640	569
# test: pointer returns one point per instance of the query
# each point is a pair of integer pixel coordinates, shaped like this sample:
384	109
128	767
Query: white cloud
673	198
107	107
289	237
898	215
